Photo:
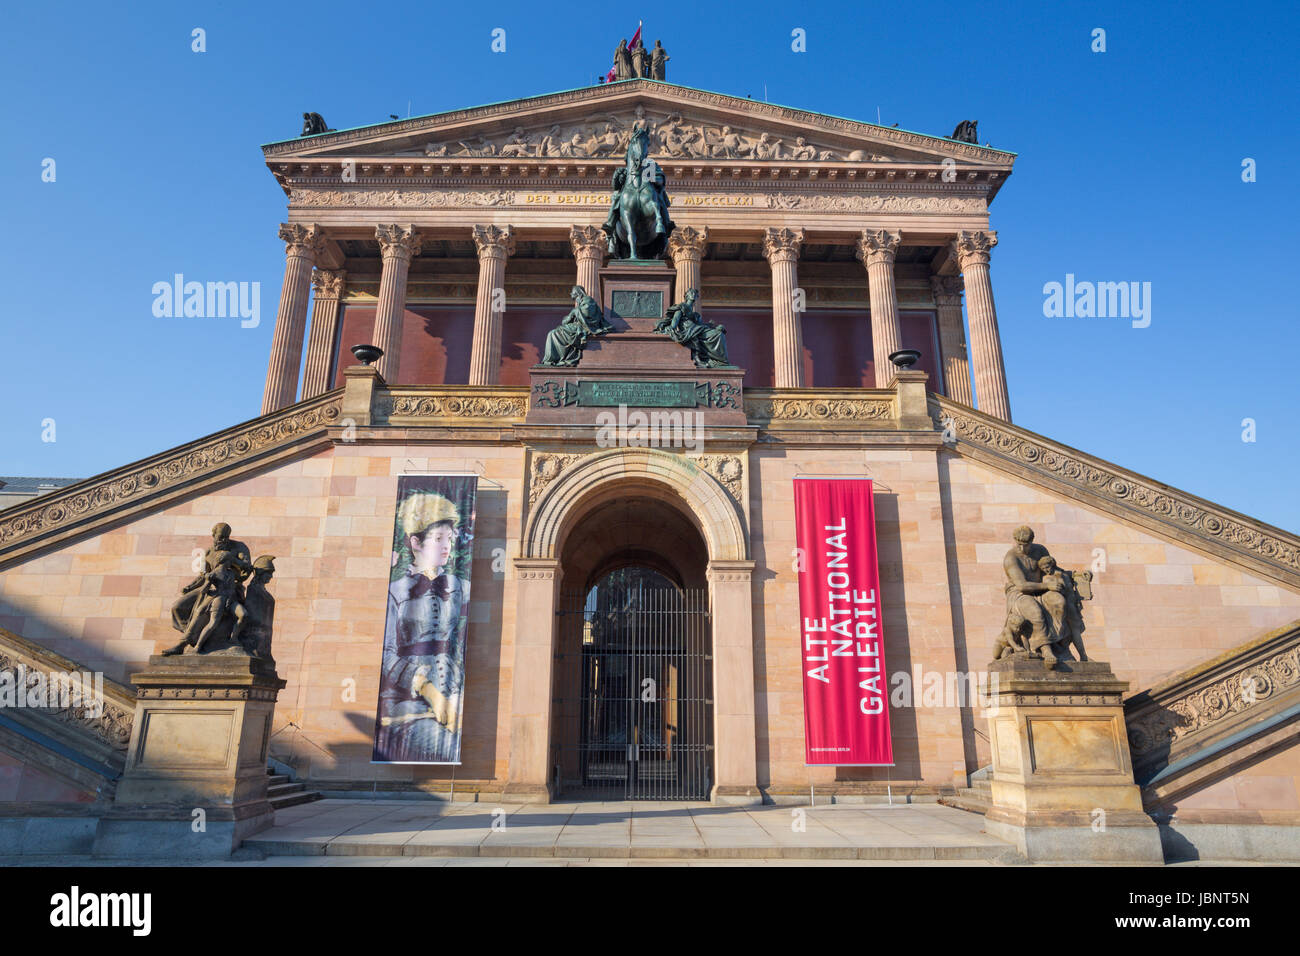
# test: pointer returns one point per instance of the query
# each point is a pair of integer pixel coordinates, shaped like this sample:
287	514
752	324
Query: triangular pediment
595	122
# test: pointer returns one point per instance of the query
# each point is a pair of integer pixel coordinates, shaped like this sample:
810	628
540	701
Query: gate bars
632	704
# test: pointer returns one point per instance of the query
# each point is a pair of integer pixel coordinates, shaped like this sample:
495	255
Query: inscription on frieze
645	394
638	304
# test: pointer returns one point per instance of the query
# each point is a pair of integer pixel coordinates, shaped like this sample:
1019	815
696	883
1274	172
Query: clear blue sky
1129	169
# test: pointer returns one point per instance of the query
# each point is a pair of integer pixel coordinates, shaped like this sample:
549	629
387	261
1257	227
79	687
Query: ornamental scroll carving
818	409
104	719
87	500
401	198
504	407
1157	729
729	470
545	468
1164	504
855	202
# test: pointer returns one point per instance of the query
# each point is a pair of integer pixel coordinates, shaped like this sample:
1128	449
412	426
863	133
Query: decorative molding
831	409
588	242
87	502
450	403
401	198
947	291
1184	516
877	202
208	693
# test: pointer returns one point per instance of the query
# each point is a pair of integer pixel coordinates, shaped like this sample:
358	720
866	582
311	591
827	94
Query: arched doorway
632	706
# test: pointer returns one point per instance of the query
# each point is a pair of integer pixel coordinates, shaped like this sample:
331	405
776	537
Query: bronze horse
638	225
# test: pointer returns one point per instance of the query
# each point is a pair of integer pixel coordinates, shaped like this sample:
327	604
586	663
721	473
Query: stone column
781	247
972	250
327	289
952	338
877	250
495	245
589	247
536	595
397	245
734	722
301	246
686	247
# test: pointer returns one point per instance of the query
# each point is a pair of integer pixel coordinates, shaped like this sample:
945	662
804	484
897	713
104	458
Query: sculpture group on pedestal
564	343
685	326
226	607
636	61
1044	604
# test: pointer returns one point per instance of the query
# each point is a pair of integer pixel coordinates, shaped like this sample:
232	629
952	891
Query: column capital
782	245
302	240
947	290
328	283
398	242
588	242
687	242
494	242
878	245
973	247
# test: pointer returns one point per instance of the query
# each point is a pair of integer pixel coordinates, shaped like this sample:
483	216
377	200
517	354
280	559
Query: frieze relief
423	405
767	410
363	197
671	136
100	717
1162	503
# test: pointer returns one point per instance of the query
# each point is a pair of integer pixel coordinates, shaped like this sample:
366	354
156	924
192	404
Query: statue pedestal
633	365
1062	782
199	743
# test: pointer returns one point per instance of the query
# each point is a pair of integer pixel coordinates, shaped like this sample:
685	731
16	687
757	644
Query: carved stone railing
1184	517
93	723
80	508
1189	729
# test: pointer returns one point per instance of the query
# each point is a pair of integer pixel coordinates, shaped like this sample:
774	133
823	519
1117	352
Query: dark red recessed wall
837	344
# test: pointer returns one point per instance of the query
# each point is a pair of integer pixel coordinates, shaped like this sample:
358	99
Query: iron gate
633	708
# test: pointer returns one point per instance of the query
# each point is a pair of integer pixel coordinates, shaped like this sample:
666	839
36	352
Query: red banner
845	685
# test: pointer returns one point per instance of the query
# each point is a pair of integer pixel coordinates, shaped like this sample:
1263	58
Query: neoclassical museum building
615	610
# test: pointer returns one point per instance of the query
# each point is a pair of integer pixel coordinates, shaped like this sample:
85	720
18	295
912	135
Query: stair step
970	799
277	778
293	799
283	789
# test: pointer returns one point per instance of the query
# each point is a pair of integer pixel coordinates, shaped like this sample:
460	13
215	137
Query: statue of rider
645	171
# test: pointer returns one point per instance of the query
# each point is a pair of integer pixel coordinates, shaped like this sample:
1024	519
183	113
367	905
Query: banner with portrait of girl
422	675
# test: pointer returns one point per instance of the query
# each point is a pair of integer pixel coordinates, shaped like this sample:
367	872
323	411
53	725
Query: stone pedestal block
1062	782
199	743
634	366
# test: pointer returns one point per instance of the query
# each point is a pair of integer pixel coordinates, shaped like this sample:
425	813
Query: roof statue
965	132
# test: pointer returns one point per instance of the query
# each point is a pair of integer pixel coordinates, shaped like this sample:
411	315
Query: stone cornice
89	505
1182	517
665	95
